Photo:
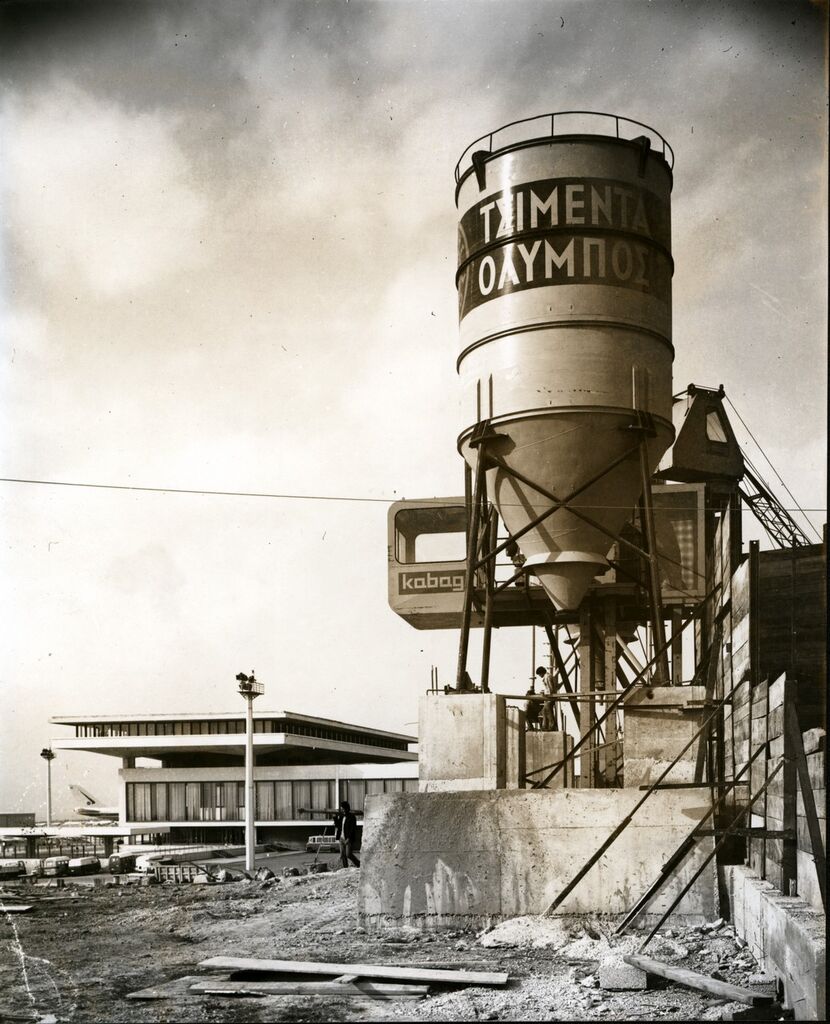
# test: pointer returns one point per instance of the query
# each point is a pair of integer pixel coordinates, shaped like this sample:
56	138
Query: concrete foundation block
545	748
658	724
434	859
463	742
615	974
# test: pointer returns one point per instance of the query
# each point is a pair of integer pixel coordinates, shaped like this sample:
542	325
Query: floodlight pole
249	688
48	756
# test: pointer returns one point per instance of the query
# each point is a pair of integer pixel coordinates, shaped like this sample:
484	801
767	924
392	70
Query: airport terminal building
195	789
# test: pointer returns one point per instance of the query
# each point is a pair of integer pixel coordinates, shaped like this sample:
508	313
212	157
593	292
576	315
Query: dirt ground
78	953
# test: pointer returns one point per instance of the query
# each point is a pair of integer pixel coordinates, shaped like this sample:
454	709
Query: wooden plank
759	702
804	835
335	989
741	667
776	721
701	982
740	591
438	977
14	908
178	988
776	692
820	800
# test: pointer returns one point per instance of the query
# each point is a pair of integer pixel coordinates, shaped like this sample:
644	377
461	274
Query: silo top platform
563	123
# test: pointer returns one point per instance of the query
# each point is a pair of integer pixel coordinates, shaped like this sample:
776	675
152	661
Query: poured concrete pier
471	858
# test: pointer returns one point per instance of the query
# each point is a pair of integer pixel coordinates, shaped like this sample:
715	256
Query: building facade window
281	800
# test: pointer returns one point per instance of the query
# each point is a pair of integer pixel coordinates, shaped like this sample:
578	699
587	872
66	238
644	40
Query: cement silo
564	291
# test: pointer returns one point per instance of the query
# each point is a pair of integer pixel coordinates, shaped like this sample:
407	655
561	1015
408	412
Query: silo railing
543	126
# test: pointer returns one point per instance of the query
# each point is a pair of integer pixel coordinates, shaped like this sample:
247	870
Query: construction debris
164	931
701	982
616	974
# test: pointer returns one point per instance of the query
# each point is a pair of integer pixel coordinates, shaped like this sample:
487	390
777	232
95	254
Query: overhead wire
772	467
212	492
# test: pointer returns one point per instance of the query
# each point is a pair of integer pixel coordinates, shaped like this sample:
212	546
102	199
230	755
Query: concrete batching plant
603	508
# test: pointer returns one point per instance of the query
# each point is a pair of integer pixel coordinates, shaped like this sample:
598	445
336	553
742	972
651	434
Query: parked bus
56	867
84	866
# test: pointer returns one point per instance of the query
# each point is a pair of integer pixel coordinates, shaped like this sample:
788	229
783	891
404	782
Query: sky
227	264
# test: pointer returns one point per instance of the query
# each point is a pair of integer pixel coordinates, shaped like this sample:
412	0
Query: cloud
229	228
100	200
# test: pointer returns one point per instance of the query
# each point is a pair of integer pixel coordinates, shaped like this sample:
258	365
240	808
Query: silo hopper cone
562	452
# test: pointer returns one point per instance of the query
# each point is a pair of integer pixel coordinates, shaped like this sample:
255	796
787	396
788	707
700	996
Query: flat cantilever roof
290	738
214	716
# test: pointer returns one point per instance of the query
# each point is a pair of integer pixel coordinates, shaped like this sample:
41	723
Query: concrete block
462	742
546	748
658	725
786	936
515	725
615	974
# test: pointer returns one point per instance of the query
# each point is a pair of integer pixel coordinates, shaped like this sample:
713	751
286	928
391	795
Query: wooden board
701	982
424	975
335	989
179	987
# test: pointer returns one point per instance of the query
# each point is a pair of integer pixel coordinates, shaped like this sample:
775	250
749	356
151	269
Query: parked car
84	866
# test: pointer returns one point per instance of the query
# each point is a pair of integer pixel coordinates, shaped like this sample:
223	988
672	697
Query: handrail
466	157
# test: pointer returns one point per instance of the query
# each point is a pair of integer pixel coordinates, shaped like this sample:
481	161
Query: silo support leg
491	532
655	594
469	579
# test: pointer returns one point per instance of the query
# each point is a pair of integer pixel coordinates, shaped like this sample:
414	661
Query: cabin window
714	428
431	534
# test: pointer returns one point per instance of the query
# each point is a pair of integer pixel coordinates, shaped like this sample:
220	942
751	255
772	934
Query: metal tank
564	293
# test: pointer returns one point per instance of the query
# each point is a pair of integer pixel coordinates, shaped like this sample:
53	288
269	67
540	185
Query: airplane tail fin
81	792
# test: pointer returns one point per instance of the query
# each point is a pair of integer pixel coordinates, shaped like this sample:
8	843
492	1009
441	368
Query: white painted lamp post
48	756
249	688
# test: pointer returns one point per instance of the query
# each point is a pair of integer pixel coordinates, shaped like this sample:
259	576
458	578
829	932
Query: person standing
348	835
518	560
548	708
532	708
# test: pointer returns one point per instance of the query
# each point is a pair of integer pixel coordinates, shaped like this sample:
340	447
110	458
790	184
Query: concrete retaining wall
785	935
438	859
